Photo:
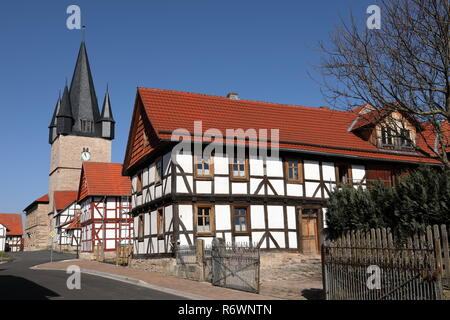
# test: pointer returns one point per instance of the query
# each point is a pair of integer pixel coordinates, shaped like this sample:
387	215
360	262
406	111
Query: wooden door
310	236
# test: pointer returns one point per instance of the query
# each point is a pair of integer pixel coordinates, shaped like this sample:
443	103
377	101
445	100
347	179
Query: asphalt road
19	282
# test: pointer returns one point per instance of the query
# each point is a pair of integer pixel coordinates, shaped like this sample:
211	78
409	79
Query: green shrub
419	199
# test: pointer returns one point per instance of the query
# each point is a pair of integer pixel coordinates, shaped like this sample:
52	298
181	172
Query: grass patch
4	257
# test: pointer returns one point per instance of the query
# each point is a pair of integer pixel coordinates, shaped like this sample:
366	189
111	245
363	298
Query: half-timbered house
3	231
13	222
274	202
66	209
73	230
104	198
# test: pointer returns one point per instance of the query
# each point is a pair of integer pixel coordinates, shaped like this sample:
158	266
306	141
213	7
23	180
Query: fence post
200	255
324	271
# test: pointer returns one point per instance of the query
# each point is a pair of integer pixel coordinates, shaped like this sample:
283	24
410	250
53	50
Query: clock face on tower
85	155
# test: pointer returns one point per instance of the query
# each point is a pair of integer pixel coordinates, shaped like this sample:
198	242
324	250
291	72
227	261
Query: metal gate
371	266
234	266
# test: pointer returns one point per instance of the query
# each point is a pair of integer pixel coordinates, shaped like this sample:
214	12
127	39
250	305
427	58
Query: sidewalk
184	288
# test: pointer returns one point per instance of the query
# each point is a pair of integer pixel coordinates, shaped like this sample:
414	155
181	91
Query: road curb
133	281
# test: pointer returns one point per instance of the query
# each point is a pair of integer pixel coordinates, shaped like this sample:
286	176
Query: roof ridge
246	100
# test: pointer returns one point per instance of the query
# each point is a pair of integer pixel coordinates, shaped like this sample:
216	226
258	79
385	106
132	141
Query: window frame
246	171
160	223
349	172
212	219
247	218
158	176
141	227
139	183
204	176
301	178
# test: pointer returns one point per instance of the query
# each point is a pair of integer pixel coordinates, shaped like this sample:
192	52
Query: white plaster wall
257	217
220	165
181	186
222	217
278	185
254	183
274	168
204	187
185	214
294	190
291	217
328	171
256	167
239	187
312	170
275	215
168	215
185	161
358	172
221	185
310	188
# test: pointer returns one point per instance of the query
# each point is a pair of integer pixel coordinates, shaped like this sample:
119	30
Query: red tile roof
13	222
64	198
301	128
74	223
103	179
43	199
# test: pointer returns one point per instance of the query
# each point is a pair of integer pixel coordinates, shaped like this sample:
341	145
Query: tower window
86	125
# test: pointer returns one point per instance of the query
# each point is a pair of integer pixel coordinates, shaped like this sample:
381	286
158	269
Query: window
141	227
294	171
239	169
241	220
160	223
405	138
86	126
387	136
205	219
344	173
139	184
203	167
158	171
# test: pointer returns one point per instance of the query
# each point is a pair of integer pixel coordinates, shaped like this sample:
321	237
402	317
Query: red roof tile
74	223
64	198
103	179
13	222
43	199
301	128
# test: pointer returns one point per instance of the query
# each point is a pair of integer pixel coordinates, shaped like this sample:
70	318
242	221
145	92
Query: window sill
239	179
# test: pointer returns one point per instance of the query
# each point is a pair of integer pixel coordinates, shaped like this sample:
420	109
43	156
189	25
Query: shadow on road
17	288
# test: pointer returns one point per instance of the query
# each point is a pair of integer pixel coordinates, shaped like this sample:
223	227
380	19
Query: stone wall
169	266
37	229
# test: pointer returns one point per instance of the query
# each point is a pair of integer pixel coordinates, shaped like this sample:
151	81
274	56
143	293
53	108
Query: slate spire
77	112
107	119
83	97
53	124
64	117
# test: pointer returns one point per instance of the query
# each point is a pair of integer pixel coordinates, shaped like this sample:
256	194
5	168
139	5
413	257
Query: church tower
78	131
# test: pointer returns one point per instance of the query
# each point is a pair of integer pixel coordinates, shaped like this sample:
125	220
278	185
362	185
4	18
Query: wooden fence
373	265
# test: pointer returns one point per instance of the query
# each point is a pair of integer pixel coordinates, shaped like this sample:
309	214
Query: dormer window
387	138
86	125
395	138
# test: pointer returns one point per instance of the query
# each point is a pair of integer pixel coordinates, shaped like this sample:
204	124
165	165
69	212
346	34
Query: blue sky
261	49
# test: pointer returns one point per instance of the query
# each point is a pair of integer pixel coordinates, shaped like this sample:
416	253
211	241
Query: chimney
233	96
